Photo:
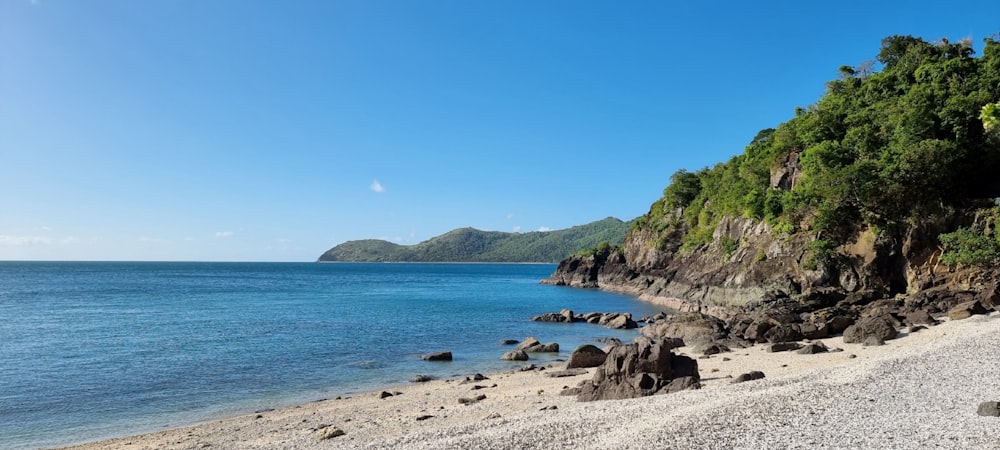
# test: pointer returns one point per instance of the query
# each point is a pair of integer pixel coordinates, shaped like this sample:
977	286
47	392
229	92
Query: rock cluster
645	367
621	321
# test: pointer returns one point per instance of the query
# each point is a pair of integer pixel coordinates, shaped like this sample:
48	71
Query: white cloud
544	229
224	234
21	241
377	187
509	216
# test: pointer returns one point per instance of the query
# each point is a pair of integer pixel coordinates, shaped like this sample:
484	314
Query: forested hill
472	245
885	186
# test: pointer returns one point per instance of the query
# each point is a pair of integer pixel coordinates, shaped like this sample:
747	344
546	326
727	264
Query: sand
920	390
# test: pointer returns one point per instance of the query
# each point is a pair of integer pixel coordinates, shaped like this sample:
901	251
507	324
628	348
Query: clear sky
272	130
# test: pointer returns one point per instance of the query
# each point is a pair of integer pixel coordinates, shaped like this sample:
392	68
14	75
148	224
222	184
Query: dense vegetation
912	136
472	245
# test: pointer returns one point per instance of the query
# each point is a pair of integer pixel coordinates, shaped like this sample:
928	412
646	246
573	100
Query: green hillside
472	245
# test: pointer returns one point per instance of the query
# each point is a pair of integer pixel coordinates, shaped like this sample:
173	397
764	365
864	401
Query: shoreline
805	400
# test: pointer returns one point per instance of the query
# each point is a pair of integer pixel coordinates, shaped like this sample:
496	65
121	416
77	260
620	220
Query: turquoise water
94	350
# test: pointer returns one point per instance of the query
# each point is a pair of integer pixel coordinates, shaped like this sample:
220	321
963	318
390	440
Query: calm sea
94	350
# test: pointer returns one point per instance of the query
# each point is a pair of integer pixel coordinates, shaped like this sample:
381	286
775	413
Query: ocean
92	350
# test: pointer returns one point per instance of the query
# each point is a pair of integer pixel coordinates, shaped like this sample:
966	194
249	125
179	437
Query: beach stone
566	373
586	355
622	322
639	369
515	355
328	433
814	331
467	401
710	349
873	341
872	326
917	328
509	342
421	378
966	310
436	356
812	348
691	327
749	376
989	409
424	417
783	347
384	394
919	317
783	333
528	342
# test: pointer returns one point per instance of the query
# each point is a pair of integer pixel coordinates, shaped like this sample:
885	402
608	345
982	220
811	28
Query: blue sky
270	131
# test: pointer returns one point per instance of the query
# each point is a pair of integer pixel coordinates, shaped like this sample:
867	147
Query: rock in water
436	356
989	409
528	342
515	355
586	355
643	368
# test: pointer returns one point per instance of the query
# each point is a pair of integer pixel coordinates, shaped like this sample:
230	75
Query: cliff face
747	264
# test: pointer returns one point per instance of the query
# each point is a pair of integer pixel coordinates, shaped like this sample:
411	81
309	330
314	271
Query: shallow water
93	350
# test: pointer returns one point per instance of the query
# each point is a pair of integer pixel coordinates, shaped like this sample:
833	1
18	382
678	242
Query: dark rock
783	333
837	324
966	310
515	355
812	348
783	347
566	373
328	433
586	356
711	349
691	327
479	377
467	401
814	331
424	417
436	356
990	296
872	326
919	317
509	342
749	376
608	340
639	369
873	341
384	394
938	300
421	378
528	368
528	342
622	322
756	330
551	347
989	409
917	328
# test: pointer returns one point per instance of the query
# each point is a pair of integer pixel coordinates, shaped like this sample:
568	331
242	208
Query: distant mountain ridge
473	245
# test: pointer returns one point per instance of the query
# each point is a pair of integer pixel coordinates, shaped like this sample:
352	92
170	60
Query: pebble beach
920	390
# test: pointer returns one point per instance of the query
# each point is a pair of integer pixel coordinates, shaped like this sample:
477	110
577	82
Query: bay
90	350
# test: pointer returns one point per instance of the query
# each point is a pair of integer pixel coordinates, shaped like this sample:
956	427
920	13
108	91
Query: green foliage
761	256
472	245
729	245
878	149
990	115
969	247
821	253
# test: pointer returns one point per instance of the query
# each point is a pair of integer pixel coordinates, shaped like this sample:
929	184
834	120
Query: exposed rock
467	401
783	333
749	376
586	356
873	341
692	327
869	327
384	394
421	378
710	349
551	347
990	296
639	369
919	317
564	316
436	356
566	373
916	328
966	310
328	433
515	355
424	417
528	342
622	322
608	340
783	347
989	409
509	342
812	348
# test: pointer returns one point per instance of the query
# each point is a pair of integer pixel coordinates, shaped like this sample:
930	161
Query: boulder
328	433
515	355
783	347
749	376
783	333
877	327
966	310
421	378
919	317
710	349
551	347
622	322
436	356
990	297
639	369
586	356
692	327
812	348
559	317
527	342
989	409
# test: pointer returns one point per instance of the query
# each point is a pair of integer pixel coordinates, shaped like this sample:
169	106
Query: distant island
473	245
